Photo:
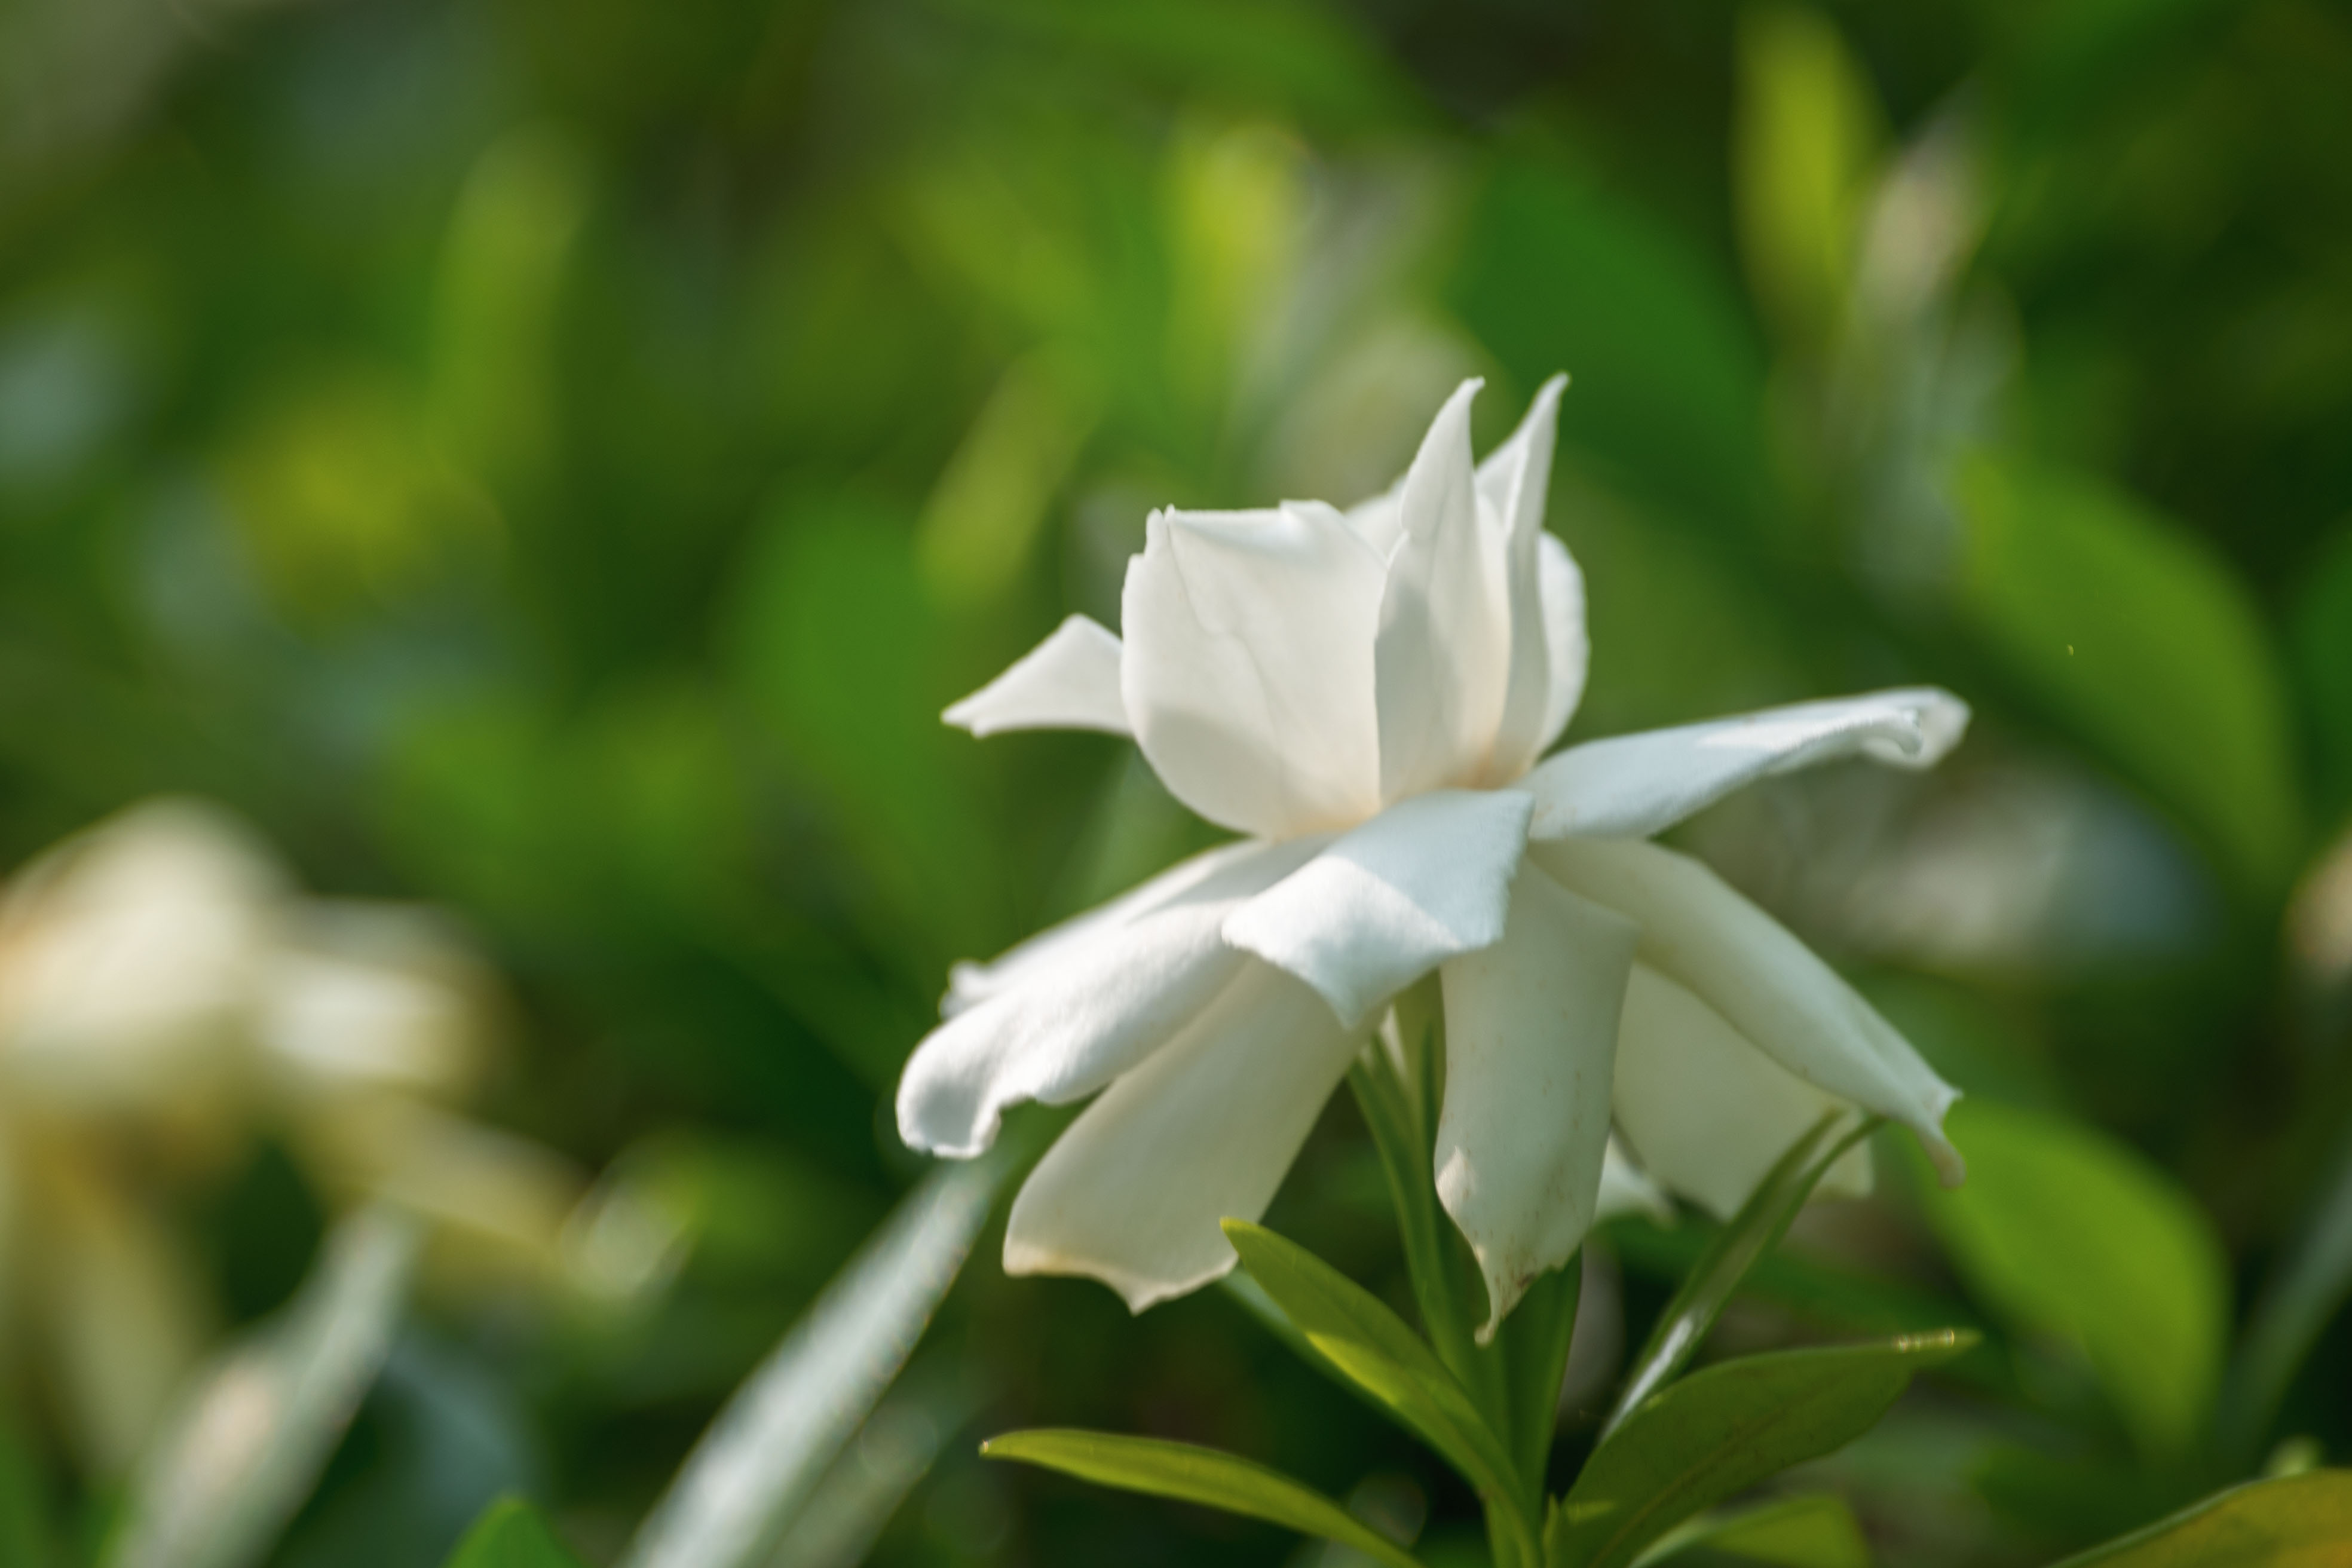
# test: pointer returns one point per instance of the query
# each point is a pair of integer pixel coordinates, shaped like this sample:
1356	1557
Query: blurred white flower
166	996
1365	695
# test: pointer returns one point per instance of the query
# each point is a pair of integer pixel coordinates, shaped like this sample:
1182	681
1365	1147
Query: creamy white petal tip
1697	931
1530	1053
1069	681
1634	785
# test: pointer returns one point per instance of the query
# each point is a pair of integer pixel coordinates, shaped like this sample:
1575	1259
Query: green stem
1401	1094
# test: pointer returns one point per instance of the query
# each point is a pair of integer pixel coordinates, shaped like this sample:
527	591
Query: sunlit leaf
2068	1233
260	1428
2303	1522
511	1534
1803	145
2141	636
1814	1532
757	1465
1203	1475
1736	1248
1350	1329
1720	1431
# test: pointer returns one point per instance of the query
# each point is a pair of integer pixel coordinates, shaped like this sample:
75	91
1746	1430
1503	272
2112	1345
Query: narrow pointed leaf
2300	1521
1753	1232
1535	1344
1203	1475
763	1458
249	1444
1720	1431
1816	1530
1352	1329
2303	1297
511	1534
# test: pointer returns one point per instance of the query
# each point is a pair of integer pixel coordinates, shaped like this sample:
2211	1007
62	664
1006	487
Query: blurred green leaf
251	1441
1668	381
984	514
1814	1532
2142	637
2067	1232
835	643
1352	1329
2303	1522
26	1537
756	1467
1736	1249
2304	1295
1722	1430
2322	630
1193	1475
511	1534
1803	145
502	266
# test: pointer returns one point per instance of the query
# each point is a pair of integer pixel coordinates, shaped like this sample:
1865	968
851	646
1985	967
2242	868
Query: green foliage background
556	460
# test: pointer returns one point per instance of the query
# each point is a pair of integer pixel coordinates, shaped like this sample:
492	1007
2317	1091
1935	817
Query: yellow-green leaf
511	1534
2139	635
2067	1232
1195	1475
2302	1521
1720	1431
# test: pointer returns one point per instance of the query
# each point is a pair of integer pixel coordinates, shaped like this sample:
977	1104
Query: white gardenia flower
1365	695
167	994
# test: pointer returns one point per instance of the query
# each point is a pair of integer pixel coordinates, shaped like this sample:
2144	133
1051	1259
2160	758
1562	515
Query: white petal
1074	1023
1625	1187
1248	669
1708	1112
1204	1130
131	950
969	985
1069	681
1443	656
1530	1040
1566	643
363	997
1764	981
1512	483
1380	521
124	1315
1634	786
1425	880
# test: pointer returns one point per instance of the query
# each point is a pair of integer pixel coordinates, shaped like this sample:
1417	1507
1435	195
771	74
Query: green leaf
26	1539
1722	1430
763	1458
1193	1475
1814	1532
2139	635
1803	144
2067	1232
2301	1299
287	1392
1737	1247
1535	1341
1670	380
1352	1330
2320	628
2302	1521
511	1534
